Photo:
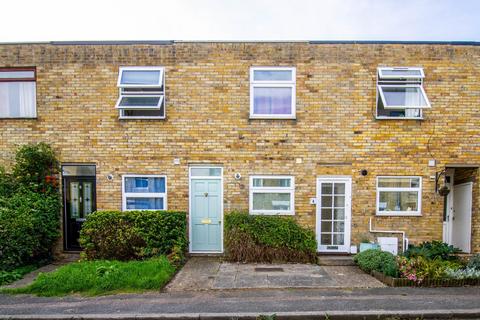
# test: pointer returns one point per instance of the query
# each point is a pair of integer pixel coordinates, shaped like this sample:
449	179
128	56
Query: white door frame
348	210
447	225
190	178
469	234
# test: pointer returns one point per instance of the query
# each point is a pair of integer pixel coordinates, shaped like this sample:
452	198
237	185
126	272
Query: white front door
462	216
334	209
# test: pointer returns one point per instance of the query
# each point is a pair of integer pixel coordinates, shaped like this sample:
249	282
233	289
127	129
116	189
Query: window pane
206	172
144	113
338	239
271	182
403	96
338	226
326	226
326	188
17	99
401	73
326	201
338	214
340	188
78	170
272	101
326	239
146	77
398	182
145	184
339	201
144	203
272	75
271	201
326	213
396	113
127	101
17	74
398	201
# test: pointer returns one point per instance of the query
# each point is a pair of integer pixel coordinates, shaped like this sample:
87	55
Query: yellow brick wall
207	92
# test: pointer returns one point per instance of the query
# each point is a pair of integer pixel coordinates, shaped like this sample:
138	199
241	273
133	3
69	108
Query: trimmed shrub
432	250
133	234
474	262
250	238
374	259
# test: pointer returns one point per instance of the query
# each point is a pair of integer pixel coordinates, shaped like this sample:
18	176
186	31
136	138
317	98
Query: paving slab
211	273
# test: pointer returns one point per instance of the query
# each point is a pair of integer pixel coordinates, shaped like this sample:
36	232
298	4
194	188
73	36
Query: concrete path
436	303
210	273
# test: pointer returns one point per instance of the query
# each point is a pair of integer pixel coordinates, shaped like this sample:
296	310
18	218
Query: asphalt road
397	301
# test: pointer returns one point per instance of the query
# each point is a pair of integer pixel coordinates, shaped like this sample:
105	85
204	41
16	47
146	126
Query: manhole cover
267	269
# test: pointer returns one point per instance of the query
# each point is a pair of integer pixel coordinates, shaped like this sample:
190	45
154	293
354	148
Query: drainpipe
404	239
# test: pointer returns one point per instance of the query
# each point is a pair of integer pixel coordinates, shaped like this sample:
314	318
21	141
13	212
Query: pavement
420	303
211	273
246	291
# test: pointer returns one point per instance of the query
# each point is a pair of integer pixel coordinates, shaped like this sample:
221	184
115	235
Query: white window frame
290	190
126	195
418	189
396	81
144	68
124	92
273	84
385	106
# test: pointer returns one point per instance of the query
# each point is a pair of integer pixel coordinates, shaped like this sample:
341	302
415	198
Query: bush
374	259
133	234
420	268
29	208
468	273
474	262
432	250
250	238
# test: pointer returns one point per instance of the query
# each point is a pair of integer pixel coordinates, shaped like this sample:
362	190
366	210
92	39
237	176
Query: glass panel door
80	201
333	216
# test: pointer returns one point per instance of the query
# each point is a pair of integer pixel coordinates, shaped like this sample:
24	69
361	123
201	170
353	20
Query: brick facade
207	120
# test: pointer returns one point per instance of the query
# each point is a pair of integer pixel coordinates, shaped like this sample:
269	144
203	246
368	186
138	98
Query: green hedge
30	207
250	238
133	234
374	259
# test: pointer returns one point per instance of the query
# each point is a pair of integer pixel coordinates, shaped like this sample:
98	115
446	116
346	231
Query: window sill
272	117
398	214
18	118
268	213
141	118
399	118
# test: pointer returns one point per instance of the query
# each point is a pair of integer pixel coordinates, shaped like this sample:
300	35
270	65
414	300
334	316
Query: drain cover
268	269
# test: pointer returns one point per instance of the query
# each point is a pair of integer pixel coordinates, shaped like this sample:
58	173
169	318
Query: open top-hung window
399	195
272	93
272	195
142	93
18	93
400	93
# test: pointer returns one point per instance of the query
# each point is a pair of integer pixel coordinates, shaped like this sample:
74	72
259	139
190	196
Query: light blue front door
206	215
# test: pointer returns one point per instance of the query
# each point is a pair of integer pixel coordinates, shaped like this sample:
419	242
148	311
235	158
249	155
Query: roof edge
171	42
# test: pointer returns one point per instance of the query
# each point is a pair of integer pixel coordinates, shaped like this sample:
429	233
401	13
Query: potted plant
366	242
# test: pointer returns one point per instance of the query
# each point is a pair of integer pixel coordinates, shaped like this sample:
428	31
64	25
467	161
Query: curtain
17	99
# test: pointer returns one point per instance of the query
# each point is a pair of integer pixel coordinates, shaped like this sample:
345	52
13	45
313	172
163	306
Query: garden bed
402	282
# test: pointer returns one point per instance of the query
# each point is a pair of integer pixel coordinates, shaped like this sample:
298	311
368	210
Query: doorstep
335	260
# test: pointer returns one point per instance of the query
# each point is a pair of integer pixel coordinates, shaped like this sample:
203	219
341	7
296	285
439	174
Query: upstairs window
144	192
400	93
142	93
272	93
272	195
18	93
399	195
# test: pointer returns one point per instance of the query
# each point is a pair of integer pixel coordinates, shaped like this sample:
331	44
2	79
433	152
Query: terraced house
353	139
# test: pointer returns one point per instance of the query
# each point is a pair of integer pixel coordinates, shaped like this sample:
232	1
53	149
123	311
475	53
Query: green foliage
377	260
432	250
134	234
29	207
7	277
250	238
467	273
34	163
102	277
474	262
419	268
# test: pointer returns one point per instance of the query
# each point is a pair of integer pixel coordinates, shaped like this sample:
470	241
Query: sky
406	20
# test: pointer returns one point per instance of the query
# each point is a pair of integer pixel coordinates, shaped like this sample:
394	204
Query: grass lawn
7	277
101	277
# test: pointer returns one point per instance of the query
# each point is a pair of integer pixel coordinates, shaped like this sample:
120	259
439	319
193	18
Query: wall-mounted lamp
443	190
110	177
238	176
363	172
